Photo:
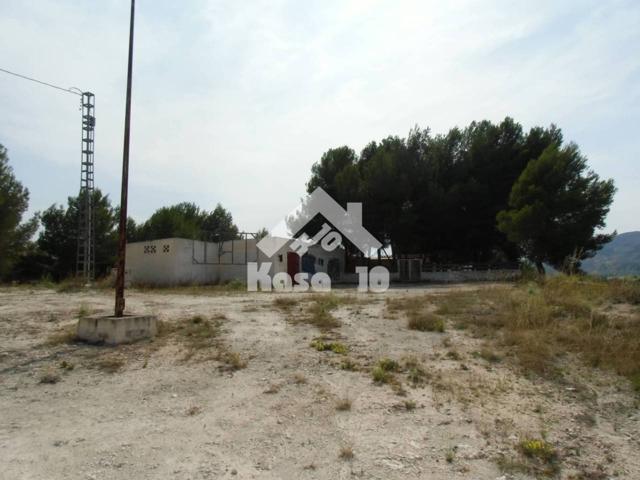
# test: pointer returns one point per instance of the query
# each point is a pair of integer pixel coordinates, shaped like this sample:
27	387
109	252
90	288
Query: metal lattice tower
86	256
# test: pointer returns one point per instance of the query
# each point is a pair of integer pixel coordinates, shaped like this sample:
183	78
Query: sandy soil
161	416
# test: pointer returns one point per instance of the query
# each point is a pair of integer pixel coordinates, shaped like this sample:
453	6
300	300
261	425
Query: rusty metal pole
122	232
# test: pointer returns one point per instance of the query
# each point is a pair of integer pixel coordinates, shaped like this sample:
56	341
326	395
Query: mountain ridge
620	257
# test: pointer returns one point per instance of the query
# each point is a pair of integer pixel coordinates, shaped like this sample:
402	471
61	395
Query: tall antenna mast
86	253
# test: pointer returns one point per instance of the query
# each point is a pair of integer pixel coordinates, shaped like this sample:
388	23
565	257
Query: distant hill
619	257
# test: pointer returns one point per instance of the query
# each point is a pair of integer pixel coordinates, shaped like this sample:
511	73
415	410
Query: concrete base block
115	330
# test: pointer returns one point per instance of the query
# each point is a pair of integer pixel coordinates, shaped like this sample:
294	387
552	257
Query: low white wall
179	261
469	276
176	261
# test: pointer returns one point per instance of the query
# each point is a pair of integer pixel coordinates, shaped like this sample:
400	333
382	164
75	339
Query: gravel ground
162	410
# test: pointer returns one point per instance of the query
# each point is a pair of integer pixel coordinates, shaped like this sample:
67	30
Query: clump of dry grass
70	285
299	378
541	321
230	360
415	309
343	404
346	452
49	377
384	369
197	332
450	455
66	365
319	312
537	458
425	322
201	338
272	389
348	364
194	410
489	355
409	405
416	374
83	311
110	364
538	448
285	303
64	336
323	346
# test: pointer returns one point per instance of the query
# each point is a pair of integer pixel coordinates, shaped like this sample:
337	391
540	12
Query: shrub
538	448
381	375
334	347
388	365
425	322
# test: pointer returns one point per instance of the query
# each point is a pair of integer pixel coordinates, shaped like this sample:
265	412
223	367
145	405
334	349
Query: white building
180	261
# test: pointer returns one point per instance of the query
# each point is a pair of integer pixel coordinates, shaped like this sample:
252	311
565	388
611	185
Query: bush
425	322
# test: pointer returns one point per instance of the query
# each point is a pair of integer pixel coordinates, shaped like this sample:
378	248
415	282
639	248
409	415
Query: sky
234	101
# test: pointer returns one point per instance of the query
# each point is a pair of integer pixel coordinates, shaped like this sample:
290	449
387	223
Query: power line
67	90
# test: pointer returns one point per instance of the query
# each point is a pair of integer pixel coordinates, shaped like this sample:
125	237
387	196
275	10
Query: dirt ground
152	410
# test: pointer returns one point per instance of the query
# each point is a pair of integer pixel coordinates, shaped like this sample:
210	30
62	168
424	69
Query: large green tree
58	238
439	194
218	225
555	208
187	220
14	201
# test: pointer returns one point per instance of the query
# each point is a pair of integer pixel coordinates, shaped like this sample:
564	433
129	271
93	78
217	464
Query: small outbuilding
181	261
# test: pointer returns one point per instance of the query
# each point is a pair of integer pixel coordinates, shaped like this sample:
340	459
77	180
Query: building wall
179	261
151	262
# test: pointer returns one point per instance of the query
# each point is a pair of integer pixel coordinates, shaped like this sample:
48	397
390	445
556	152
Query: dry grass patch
194	410
346	453
285	303
197	332
384	369
299	378
110	364
416	310
64	365
409	405
539	322
324	346
348	364
71	285
228	288
49	377
425	322
272	389
343	404
537	458
319	311
231	361
201	337
489	355
64	336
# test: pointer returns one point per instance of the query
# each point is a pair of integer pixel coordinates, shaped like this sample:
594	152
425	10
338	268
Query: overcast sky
233	101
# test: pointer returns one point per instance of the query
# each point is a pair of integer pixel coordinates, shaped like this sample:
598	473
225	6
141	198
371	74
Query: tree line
484	193
46	244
